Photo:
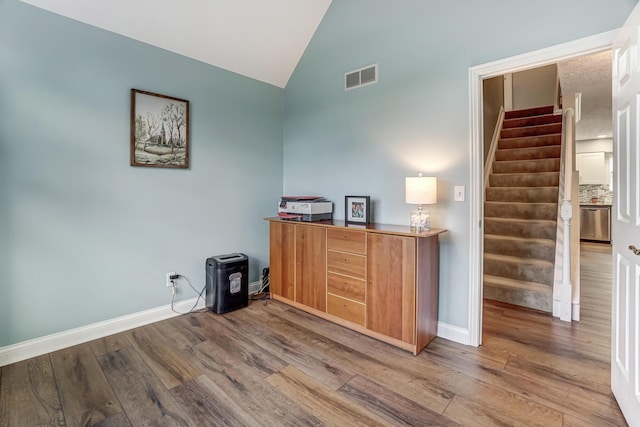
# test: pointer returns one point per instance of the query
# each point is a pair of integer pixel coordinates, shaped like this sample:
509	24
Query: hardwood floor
272	365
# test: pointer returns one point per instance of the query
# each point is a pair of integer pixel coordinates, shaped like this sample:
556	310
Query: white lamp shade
421	190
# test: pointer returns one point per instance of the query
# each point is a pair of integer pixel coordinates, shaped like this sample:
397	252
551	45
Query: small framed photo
357	210
159	130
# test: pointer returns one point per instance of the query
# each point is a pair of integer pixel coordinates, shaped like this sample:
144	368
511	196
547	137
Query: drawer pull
635	250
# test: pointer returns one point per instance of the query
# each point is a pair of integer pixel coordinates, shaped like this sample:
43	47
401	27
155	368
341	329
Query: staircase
521	210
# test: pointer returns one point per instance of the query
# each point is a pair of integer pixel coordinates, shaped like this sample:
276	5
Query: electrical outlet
170	282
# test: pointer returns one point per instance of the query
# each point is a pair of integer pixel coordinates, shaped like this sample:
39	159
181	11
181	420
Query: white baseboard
54	342
43	345
453	333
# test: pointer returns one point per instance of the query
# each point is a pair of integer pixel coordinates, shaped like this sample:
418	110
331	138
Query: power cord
260	295
173	296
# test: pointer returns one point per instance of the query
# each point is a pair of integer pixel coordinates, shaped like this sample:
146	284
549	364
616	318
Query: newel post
565	287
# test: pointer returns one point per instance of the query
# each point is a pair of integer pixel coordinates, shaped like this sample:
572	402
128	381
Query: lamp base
420	221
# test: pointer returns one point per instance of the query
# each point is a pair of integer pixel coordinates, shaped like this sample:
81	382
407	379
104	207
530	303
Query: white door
625	331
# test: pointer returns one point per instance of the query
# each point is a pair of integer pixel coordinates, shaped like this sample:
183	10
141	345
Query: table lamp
420	190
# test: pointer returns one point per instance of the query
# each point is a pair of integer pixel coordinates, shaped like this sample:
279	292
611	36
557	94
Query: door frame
538	58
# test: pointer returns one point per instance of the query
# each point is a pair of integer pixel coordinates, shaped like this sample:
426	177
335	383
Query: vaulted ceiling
261	39
265	39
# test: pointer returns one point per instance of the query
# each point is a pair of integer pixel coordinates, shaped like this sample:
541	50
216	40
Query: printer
305	208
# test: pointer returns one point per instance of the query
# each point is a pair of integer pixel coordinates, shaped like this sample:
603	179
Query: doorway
477	74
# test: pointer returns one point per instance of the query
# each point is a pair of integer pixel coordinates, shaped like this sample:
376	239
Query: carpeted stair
521	210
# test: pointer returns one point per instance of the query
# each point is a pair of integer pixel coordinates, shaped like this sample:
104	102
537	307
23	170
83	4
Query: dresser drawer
346	309
346	286
347	264
347	241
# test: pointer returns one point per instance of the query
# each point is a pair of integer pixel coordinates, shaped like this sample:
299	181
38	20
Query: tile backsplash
587	191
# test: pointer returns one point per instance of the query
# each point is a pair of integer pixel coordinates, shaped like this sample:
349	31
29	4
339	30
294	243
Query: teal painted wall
84	237
365	141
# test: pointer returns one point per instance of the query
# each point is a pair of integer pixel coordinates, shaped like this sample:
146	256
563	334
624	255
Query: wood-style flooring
273	365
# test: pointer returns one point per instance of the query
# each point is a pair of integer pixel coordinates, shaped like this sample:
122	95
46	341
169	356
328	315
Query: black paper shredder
227	282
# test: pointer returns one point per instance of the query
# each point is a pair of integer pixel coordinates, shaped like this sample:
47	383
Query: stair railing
488	163
567	172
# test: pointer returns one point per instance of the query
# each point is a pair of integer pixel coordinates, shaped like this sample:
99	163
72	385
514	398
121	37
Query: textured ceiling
260	39
591	76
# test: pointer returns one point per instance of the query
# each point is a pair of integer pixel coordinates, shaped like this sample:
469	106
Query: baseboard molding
453	333
43	345
54	342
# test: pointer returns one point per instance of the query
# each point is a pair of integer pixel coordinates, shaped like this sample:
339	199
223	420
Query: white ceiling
261	39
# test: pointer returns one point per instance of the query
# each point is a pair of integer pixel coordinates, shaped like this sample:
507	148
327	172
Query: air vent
362	77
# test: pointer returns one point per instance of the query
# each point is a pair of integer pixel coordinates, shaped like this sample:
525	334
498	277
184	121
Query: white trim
453	333
575	310
508	91
578	106
476	201
538	58
43	345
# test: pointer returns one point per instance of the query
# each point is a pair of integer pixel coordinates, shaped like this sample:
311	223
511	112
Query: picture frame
357	209
159	130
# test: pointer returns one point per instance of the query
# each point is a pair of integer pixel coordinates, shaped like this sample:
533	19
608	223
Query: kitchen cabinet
592	167
379	280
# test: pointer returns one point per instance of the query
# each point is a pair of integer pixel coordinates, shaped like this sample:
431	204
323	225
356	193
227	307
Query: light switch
458	193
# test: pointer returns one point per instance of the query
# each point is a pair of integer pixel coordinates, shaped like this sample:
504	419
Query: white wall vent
362	77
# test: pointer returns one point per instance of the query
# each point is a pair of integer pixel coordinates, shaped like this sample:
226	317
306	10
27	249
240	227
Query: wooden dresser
380	280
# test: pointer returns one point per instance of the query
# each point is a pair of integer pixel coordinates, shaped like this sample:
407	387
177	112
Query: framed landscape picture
159	130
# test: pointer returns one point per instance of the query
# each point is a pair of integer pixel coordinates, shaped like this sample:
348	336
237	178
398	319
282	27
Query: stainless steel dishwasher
595	223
